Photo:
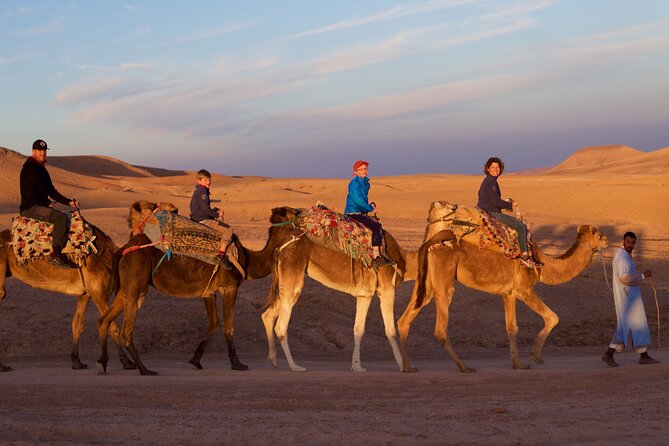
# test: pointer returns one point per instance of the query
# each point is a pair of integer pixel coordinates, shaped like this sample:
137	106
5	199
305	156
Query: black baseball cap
40	145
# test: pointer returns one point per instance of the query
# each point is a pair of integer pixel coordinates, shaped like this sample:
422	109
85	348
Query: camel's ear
437	204
136	206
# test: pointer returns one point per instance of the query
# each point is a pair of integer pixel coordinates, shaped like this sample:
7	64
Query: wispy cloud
46	28
389	14
18	11
123	67
211	33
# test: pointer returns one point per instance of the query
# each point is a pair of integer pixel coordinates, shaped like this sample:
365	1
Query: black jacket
490	196
36	186
200	209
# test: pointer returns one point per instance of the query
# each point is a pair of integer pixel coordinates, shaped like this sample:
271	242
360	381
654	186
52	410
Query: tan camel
91	282
185	277
339	272
442	261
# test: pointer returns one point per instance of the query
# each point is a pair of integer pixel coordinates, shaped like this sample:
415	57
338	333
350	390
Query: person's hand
648	273
220	214
74	203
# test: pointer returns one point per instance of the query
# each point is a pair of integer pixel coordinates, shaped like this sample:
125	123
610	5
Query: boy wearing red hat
358	206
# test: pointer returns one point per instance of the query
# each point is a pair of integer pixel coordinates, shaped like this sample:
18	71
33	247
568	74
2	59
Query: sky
305	88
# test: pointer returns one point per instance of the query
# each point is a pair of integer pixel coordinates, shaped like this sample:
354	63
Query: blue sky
305	88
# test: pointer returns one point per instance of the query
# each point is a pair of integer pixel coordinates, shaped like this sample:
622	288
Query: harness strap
160	262
216	267
136	247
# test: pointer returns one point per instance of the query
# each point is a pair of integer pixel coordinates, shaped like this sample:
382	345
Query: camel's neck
434	228
567	266
260	262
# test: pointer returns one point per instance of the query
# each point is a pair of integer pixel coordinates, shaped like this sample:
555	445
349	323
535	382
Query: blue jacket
490	196
200	209
356	200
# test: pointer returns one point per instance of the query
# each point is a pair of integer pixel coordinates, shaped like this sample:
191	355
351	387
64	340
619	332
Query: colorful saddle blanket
31	239
184	237
338	232
475	222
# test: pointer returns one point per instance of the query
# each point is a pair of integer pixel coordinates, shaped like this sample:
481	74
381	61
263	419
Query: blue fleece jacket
490	196
356	200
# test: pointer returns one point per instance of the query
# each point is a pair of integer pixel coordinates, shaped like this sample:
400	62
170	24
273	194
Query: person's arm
359	197
495	198
53	193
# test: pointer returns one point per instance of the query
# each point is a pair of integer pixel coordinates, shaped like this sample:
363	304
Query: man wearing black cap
36	188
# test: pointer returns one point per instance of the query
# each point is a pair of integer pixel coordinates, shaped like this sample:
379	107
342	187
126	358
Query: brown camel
186	277
442	261
339	272
91	282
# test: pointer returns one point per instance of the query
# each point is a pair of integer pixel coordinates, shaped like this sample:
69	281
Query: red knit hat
360	163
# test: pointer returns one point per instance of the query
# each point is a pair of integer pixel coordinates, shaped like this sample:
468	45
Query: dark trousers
373	225
53	216
516	224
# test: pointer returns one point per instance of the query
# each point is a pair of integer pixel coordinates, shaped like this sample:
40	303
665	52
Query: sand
572	398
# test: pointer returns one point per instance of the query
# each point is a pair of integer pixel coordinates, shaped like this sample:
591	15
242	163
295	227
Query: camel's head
143	211
590	235
441	211
284	214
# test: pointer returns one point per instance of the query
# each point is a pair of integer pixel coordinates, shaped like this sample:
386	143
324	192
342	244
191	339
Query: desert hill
616	159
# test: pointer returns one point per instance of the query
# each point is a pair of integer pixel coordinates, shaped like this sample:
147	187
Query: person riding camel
358	206
202	212
490	200
36	188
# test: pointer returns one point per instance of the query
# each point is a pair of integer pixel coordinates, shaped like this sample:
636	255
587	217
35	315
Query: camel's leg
77	330
129	319
229	297
512	330
4	266
532	300
387	305
442	299
404	326
103	330
212	328
361	308
281	329
103	307
269	319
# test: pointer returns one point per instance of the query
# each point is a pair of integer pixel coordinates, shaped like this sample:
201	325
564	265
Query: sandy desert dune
572	398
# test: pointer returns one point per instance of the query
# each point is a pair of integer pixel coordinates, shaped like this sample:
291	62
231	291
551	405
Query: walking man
632	325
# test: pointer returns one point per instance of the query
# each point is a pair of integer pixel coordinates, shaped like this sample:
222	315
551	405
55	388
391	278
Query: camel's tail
421	277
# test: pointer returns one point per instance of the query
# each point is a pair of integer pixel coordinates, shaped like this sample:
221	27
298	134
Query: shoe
608	360
382	260
224	261
648	360
59	262
531	263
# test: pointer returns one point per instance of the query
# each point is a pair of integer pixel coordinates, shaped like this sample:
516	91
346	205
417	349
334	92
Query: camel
339	272
442	260
188	278
91	282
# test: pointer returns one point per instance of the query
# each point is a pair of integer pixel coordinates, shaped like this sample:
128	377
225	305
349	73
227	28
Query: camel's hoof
147	372
195	364
102	369
272	361
79	366
129	366
521	366
297	368
358	369
410	369
468	370
5	368
239	366
537	358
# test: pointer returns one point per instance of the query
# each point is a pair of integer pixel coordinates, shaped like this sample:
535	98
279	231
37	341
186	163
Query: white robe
631	315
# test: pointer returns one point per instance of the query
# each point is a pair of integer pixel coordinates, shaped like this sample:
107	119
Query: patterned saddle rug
182	236
491	233
32	239
338	232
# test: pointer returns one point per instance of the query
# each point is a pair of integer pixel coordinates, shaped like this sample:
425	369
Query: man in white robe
632	328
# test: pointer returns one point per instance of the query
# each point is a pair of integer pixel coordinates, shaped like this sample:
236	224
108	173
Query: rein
284	223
